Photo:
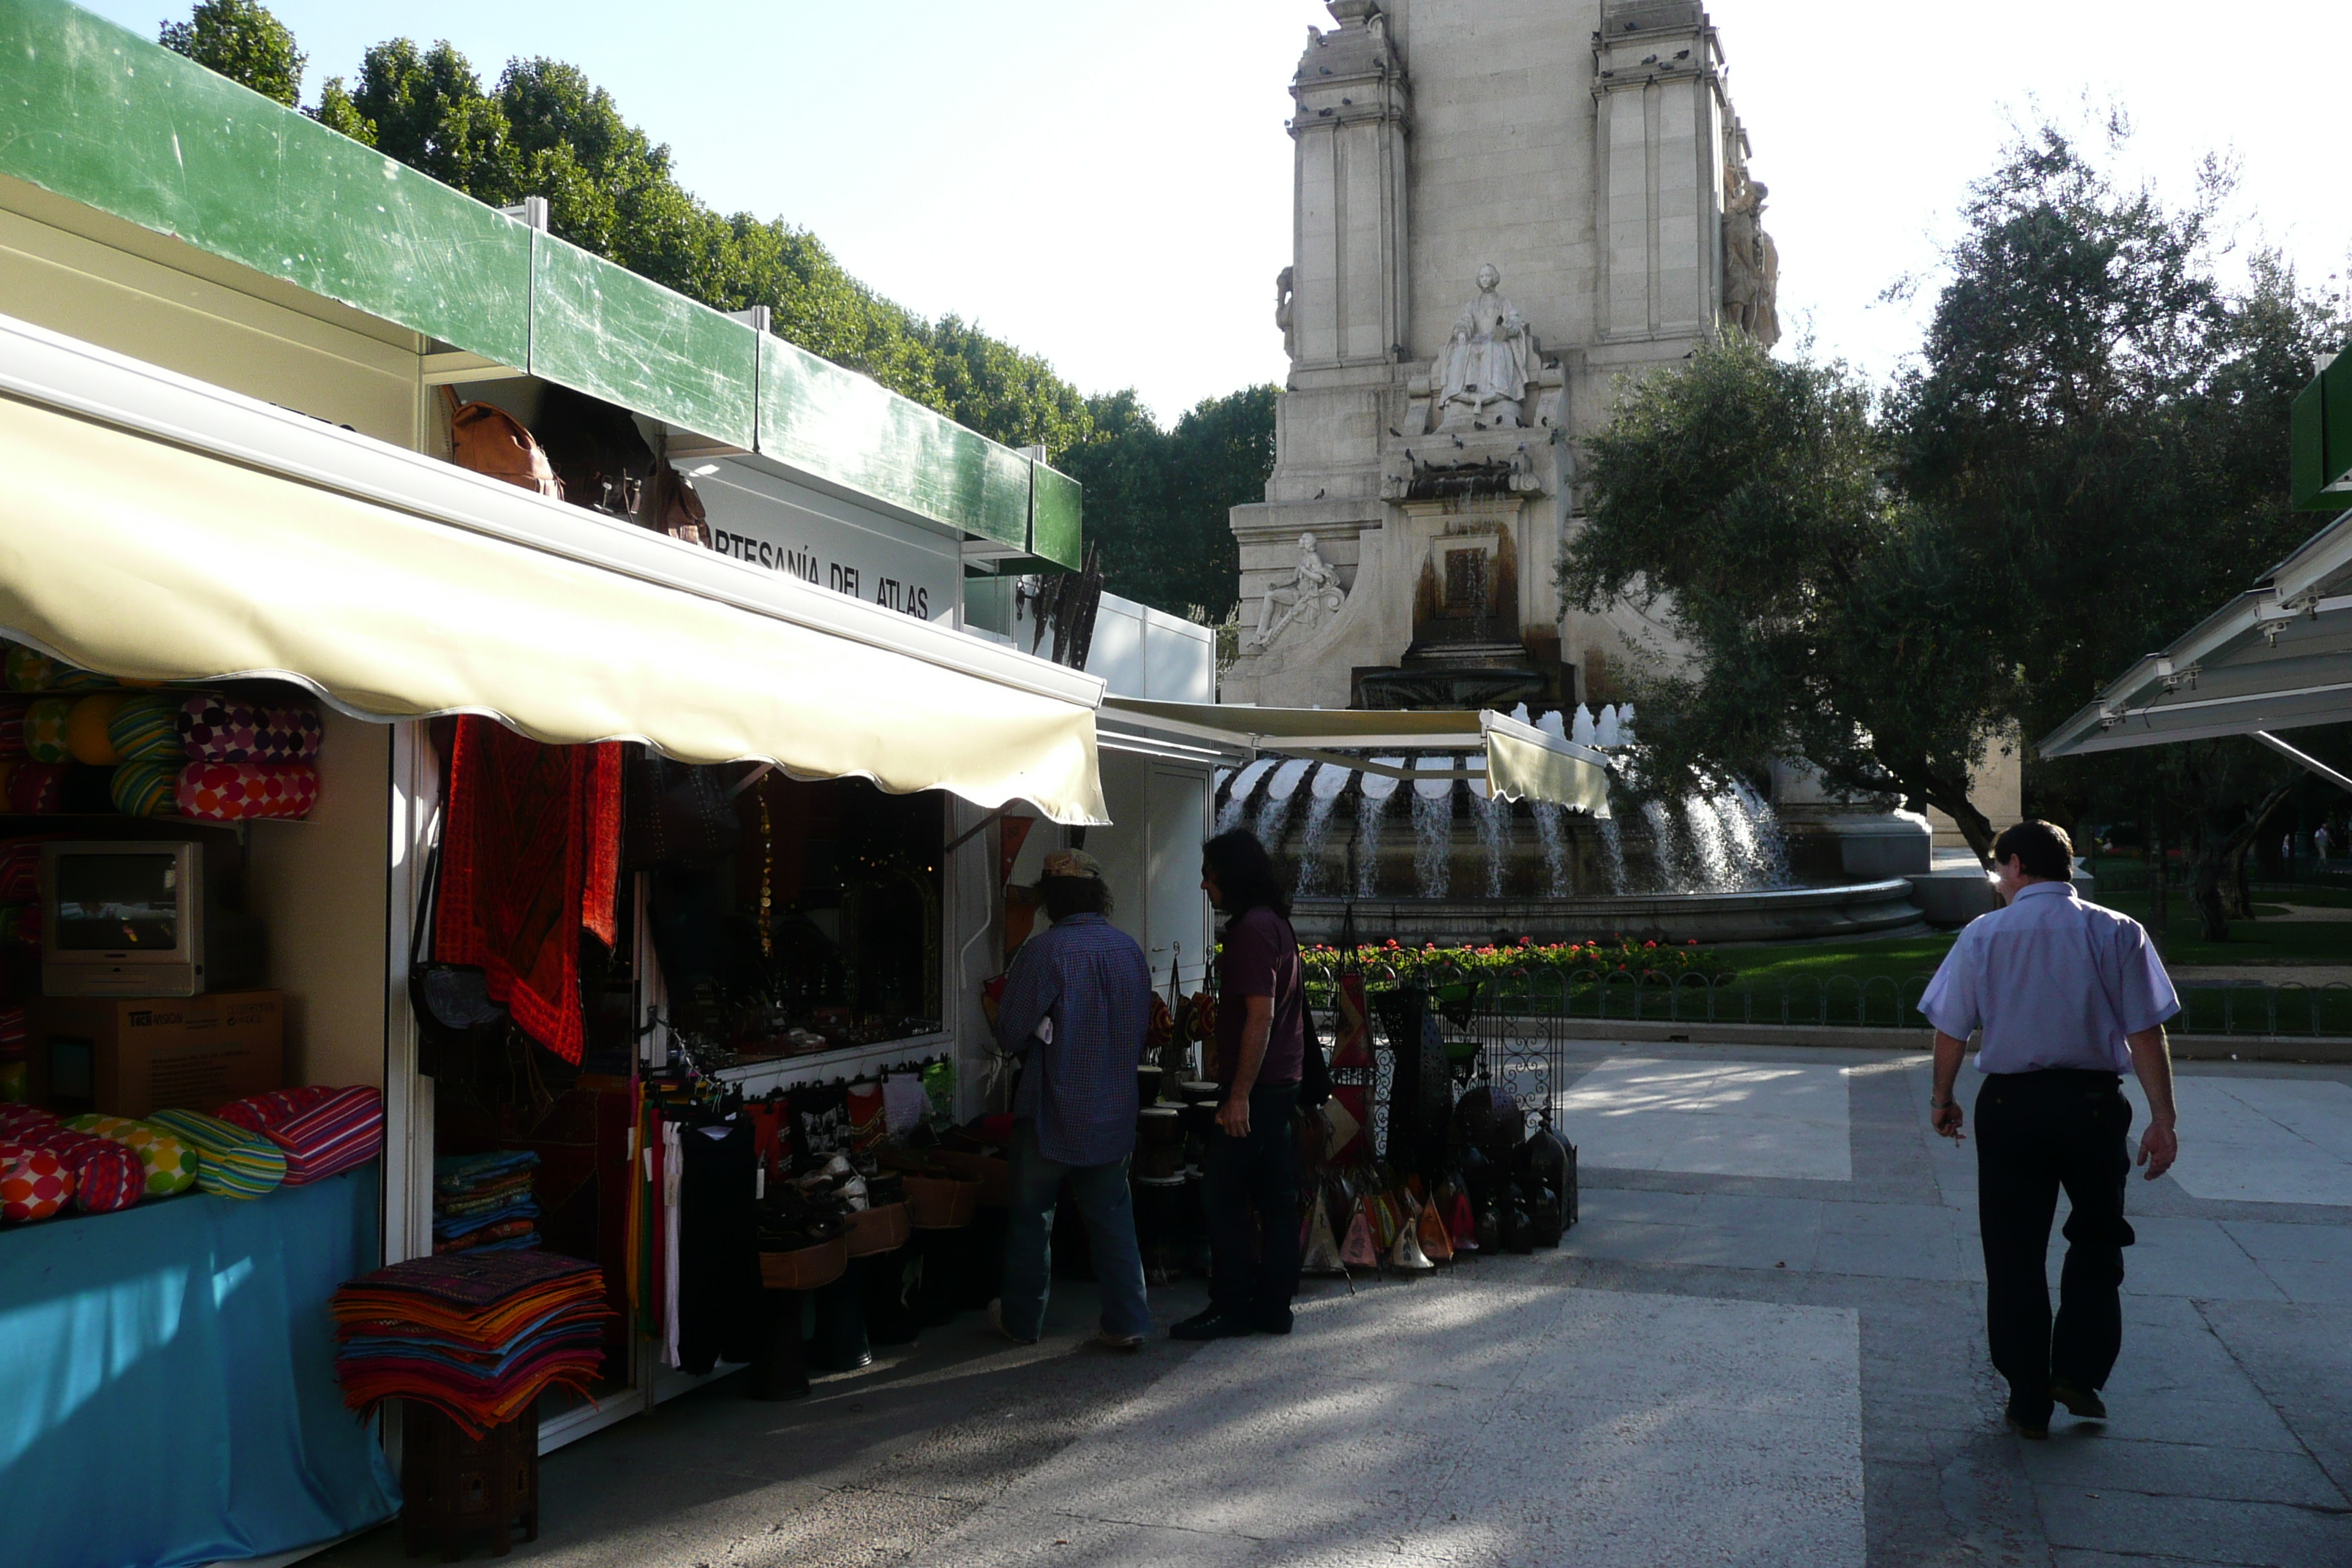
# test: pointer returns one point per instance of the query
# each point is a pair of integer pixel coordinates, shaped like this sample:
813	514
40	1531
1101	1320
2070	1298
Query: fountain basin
1784	914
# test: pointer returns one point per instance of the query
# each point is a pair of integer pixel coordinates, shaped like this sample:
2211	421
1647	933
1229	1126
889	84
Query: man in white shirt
2069	995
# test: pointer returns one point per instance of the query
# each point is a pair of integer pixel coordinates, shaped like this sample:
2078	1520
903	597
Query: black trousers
2036	1132
1255	1276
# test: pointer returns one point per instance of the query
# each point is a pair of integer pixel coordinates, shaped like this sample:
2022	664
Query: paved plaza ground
1764	1344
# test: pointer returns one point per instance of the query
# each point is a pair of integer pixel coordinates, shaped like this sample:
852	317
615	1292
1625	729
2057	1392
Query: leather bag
490	441
667	504
451	1000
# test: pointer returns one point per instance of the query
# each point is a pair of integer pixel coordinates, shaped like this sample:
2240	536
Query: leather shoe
2035	1431
2084	1402
1213	1325
1271	1322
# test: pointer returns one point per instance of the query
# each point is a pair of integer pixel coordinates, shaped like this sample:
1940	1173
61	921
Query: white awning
2278	657
1522	763
160	529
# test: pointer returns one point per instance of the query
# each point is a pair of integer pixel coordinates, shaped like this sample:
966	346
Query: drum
1159	1142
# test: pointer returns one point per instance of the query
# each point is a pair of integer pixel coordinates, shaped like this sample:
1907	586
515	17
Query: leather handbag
667	504
490	441
452	1001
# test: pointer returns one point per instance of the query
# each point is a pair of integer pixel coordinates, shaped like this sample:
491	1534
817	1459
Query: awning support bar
2303	759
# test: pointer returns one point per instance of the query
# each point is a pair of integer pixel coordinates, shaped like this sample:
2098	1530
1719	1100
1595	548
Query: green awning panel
2320	462
101	116
1056	504
603	330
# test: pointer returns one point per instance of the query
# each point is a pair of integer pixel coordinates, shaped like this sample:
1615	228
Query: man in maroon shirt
1261	1051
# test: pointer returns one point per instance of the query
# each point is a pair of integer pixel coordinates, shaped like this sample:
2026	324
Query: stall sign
779	526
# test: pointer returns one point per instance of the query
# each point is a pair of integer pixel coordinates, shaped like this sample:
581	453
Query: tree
243	42
1157	500
2090	454
1741	498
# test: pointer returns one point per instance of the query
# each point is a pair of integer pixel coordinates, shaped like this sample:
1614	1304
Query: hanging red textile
529	856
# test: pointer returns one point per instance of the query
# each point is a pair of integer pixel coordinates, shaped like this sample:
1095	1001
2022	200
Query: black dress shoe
1213	1325
2084	1402
2035	1430
1271	1322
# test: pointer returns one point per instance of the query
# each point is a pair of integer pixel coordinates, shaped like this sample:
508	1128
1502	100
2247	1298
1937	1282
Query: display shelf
786	1072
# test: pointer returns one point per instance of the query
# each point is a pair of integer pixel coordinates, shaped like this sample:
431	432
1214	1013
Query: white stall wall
320	888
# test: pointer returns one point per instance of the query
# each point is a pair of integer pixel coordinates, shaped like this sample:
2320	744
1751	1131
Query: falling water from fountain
1432	828
1322	792
1493	820
1674	872
1612	851
1759	826
1371	811
1710	845
1229	816
1274	811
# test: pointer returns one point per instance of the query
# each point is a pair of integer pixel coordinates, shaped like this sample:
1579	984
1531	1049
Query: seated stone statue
1314	588
1487	362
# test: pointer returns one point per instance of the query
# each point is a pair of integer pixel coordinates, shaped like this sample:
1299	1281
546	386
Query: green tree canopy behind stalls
243	42
1156	498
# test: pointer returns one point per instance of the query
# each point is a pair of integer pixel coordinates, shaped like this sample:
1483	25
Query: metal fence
1514	1010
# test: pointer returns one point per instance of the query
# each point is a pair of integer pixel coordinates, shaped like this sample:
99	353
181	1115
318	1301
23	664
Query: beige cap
1073	863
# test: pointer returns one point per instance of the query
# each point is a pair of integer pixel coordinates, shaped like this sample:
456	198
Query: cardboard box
128	1055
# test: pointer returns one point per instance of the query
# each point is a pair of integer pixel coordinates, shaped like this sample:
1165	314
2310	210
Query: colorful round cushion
170	1165
12	725
45	730
15	1121
146	788
241	792
34	1184
87	737
224	729
35	788
143	729
107	1176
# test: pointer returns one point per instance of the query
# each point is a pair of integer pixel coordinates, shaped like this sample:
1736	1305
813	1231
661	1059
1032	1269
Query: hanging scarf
530	855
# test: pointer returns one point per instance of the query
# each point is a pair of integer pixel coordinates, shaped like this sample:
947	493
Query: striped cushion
260	1112
170	1165
230	1160
344	1129
146	728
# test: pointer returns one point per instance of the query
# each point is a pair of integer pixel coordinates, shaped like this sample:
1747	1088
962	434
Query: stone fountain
1438	860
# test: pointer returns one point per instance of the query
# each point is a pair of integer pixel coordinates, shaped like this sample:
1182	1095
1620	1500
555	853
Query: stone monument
1502	206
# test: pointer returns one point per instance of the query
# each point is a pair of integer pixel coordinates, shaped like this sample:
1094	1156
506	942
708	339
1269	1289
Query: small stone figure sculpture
1487	363
1751	262
1315	586
1283	317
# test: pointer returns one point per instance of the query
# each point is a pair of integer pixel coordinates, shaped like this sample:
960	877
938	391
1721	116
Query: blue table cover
167	1380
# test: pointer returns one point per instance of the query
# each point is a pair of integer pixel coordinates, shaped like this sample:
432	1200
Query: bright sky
1107	182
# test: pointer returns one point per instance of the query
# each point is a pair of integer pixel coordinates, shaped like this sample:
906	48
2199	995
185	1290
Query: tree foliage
2090	454
1157	500
243	42
1743	495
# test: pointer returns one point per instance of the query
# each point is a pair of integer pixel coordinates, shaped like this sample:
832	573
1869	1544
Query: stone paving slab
1802	1357
1596	1426
1747	1119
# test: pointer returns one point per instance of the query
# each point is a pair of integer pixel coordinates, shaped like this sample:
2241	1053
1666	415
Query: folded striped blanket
230	1160
322	1132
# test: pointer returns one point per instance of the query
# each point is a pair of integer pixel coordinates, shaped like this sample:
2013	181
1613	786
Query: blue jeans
1101	1194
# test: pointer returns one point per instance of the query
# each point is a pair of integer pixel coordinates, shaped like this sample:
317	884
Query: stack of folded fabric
483	1202
477	1337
